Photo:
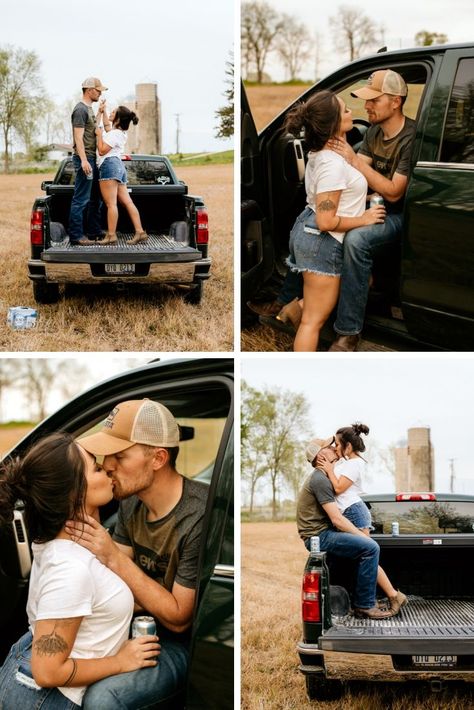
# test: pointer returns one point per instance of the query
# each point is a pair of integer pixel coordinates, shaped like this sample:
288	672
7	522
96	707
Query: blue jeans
16	680
144	687
84	217
359	515
360	245
362	549
292	287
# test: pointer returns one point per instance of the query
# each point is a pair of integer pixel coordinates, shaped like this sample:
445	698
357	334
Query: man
384	159
86	202
155	545
317	514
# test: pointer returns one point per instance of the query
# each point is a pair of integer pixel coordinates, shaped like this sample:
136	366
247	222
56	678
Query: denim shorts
359	515
313	250
113	169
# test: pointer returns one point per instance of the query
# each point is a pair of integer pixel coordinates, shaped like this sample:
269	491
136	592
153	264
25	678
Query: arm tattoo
326	206
50	644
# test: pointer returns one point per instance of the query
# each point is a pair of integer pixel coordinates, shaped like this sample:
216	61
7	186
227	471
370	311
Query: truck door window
458	138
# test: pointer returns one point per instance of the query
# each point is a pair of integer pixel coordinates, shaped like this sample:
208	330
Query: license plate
119	268
435	661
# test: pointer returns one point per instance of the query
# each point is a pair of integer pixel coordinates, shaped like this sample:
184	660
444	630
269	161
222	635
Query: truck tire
45	293
318	687
194	295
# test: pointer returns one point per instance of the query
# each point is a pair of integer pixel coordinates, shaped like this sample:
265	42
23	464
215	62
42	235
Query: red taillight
202	231
36	227
126	157
415	496
311	596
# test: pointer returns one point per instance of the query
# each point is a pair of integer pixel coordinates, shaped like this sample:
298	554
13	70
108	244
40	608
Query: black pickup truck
199	392
423	291
432	638
176	252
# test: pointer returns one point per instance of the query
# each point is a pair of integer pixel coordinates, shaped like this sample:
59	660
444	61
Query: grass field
137	319
273	559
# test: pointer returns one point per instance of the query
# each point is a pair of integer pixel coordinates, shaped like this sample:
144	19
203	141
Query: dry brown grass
266	102
137	319
273	559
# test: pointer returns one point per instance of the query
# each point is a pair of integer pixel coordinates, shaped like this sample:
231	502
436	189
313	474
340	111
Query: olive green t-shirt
83	117
311	518
390	156
166	549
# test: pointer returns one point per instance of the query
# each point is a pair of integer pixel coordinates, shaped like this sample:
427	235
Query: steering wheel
356	135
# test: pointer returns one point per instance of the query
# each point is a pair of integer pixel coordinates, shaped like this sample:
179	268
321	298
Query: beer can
143	626
375	200
395	528
22	317
315	544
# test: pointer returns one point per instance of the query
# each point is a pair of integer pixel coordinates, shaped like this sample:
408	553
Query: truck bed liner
121	251
423	626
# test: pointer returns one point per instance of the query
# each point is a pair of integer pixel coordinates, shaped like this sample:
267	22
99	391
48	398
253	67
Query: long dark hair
124	117
50	480
352	435
320	117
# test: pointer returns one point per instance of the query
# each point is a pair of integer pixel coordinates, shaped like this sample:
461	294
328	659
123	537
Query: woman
346	478
78	610
112	174
336	192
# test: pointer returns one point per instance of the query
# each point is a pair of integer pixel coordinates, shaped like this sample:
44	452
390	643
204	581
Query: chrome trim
81	273
435	164
22	546
224	570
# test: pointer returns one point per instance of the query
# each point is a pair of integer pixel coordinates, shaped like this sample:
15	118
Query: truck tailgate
424	626
157	248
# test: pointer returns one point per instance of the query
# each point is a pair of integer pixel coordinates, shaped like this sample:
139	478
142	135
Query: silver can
375	200
315	545
22	318
395	528
143	626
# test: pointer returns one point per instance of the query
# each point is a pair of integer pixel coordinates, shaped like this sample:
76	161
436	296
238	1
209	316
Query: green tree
20	84
225	114
275	425
426	39
260	25
353	32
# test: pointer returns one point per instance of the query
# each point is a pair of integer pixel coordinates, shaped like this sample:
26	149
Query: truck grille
424	617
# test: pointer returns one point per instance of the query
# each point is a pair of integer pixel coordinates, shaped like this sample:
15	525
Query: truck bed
440	625
157	247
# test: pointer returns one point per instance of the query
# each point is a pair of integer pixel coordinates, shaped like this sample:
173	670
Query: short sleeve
186	573
80	117
113	138
330	176
66	591
403	167
351	469
321	488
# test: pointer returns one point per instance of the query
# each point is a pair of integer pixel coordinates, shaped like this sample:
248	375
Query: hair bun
360	428
12	488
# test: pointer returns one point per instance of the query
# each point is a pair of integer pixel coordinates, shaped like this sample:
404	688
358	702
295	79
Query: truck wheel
318	687
194	295
45	293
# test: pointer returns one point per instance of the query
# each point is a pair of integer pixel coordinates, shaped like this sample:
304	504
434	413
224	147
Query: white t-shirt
352	469
327	171
117	140
68	581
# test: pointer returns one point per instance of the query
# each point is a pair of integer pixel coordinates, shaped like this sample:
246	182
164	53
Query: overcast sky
401	21
182	46
389	393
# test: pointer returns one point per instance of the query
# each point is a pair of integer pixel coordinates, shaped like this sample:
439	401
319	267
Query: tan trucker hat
138	421
315	446
92	82
384	81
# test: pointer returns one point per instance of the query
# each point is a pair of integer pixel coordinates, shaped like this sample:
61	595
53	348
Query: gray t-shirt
390	156
166	549
83	117
311	517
